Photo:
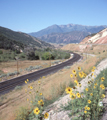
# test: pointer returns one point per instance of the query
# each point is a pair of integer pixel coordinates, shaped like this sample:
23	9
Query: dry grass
9	67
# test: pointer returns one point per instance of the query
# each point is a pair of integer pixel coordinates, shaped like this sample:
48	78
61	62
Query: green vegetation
88	104
6	43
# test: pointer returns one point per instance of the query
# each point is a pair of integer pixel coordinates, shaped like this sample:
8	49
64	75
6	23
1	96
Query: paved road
8	85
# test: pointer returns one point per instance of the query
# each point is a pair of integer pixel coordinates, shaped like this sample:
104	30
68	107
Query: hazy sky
34	15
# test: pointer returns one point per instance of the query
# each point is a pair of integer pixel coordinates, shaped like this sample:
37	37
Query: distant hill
23	38
69	37
64	33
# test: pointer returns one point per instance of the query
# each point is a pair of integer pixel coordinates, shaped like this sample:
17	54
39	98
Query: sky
34	15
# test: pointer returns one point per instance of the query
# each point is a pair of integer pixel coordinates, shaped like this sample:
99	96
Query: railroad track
9	85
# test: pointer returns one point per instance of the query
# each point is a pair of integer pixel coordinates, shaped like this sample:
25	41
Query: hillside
6	43
94	43
69	37
23	38
98	38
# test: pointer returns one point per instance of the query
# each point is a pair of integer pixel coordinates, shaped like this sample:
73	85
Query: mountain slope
69	37
67	28
6	43
98	38
23	38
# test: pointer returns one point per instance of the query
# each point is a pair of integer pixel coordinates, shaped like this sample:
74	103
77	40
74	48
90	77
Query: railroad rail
9	85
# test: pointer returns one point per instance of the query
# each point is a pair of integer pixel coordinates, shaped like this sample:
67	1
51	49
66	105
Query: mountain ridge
67	28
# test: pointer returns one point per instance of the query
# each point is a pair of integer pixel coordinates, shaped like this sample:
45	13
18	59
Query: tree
31	55
47	56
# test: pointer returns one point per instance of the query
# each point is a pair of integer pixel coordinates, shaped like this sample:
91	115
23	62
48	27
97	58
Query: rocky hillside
69	37
94	43
98	38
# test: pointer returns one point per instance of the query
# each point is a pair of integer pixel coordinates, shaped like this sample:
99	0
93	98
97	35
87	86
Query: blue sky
33	15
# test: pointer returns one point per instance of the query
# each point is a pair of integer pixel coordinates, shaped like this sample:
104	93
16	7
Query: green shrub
18	87
1	52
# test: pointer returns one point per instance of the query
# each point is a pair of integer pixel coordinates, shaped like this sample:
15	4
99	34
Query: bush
18	87
1	52
47	56
22	56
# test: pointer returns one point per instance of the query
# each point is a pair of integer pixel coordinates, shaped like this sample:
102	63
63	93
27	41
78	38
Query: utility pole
17	65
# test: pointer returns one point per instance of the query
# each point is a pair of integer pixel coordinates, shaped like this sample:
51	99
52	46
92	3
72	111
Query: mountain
67	28
69	37
98	38
23	38
71	33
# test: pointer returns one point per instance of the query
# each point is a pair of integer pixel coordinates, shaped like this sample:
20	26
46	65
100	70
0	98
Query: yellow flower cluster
102	79
102	86
40	102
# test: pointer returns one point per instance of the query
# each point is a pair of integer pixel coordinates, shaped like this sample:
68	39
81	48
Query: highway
8	85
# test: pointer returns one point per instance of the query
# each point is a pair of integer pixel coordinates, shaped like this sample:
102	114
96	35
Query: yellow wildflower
86	89
79	68
95	84
84	75
74	72
94	67
92	74
89	101
91	94
81	74
78	95
31	87
76	81
92	70
40	93
94	87
75	75
71	75
88	108
36	111
85	111
26	82
68	90
39	82
103	96
72	96
40	102
102	86
102	79
46	115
